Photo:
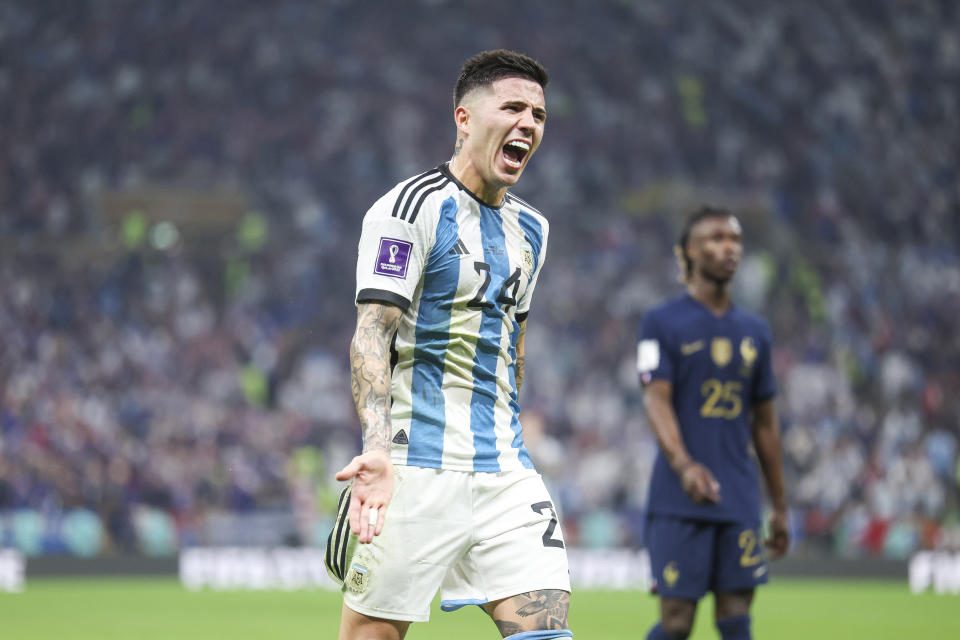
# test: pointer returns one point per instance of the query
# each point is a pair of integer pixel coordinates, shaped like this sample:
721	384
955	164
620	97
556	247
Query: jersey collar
445	170
726	314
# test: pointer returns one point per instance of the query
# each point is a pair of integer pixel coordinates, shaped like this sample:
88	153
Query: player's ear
681	262
461	117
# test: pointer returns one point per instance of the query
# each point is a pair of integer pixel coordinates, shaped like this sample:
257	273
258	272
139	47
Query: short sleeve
391	255
653	352
764	383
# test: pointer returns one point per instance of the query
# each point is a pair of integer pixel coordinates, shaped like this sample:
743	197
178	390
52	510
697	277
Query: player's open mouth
514	152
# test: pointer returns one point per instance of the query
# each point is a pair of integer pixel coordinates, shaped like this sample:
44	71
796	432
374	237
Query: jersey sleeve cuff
763	397
382	295
646	377
520	317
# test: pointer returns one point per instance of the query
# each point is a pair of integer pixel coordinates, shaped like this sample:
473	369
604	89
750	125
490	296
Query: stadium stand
164	385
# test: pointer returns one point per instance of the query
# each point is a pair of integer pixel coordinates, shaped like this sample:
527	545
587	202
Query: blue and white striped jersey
464	273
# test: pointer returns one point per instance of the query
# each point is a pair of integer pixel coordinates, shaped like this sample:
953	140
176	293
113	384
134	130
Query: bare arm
370	377
695	478
520	353
766	440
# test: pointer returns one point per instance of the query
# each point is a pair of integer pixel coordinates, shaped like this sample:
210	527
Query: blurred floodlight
164	236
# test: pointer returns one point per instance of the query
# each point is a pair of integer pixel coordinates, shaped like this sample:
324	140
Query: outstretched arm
696	479
370	376
766	440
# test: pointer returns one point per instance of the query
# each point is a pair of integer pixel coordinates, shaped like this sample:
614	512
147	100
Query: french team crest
671	574
748	351
721	351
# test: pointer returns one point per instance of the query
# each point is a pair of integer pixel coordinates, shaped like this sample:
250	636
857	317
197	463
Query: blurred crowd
148	375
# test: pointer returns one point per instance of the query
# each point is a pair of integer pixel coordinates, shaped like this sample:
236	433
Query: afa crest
526	251
358	579
671	574
721	351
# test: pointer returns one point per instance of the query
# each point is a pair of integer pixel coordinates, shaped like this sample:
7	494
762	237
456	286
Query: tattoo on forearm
370	372
548	607
519	370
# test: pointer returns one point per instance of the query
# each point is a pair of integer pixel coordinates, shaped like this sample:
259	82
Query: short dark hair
693	220
487	67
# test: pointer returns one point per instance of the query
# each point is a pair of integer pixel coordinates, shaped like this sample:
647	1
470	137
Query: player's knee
734	628
730	604
658	632
541	635
677	627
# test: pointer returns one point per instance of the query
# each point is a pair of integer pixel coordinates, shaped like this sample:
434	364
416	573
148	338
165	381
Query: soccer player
708	393
444	494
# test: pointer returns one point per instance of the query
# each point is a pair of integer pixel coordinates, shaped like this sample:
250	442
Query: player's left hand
779	538
372	474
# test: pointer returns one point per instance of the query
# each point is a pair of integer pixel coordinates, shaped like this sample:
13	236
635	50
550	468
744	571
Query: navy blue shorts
690	557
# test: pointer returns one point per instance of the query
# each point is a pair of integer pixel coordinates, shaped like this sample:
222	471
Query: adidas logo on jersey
401	437
459	249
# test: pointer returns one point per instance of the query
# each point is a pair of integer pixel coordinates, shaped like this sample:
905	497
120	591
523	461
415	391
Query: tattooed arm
370	371
371	471
522	333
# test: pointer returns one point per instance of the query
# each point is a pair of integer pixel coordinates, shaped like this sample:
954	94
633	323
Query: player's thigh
426	530
356	626
740	559
519	545
542	610
681	556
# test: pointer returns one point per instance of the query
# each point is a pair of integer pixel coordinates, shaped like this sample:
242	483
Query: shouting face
498	127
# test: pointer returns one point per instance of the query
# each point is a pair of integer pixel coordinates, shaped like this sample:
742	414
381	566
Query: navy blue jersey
719	367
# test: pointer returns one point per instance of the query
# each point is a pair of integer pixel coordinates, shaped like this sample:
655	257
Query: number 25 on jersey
721	399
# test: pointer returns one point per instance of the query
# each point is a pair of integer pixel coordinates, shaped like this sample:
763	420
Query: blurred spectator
161	389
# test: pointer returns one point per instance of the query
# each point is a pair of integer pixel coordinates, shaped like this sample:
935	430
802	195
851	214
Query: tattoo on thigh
508	628
548	607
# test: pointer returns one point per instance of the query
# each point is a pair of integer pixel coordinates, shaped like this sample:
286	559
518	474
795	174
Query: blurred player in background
444	495
705	366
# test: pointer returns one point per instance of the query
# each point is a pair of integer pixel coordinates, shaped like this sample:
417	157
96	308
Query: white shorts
478	537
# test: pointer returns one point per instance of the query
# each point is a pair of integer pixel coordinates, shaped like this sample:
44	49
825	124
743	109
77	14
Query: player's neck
467	174
714	295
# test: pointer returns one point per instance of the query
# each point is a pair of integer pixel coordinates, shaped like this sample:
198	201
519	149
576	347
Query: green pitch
159	608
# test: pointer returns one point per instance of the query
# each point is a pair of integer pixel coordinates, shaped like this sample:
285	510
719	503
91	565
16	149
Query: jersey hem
386	615
687	515
470	468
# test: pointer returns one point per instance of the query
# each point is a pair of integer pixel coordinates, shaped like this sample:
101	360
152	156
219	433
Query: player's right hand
699	483
779	539
372	474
